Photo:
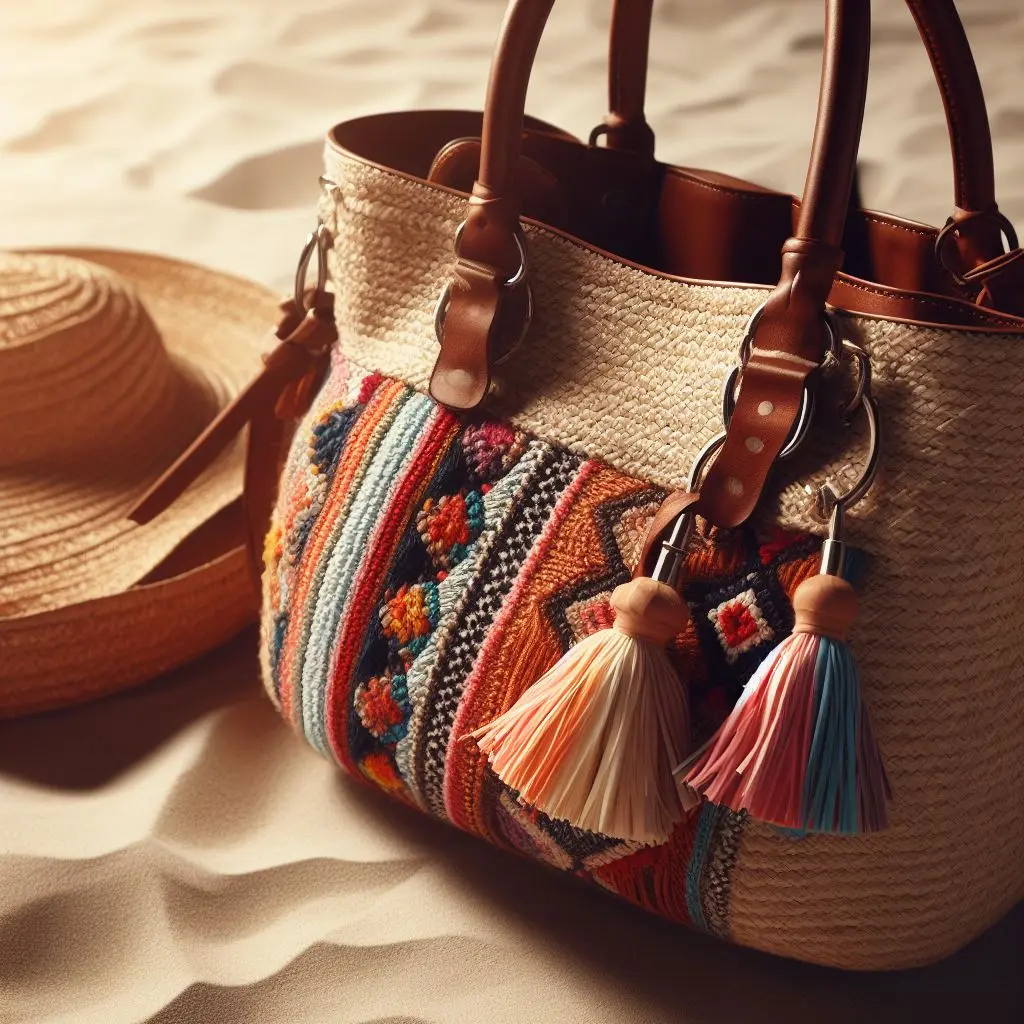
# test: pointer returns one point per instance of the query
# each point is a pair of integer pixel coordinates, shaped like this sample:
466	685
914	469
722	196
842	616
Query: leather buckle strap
986	244
788	339
473	315
788	346
1002	281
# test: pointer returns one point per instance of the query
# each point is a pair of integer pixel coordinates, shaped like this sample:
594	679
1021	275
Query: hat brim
82	546
103	631
100	647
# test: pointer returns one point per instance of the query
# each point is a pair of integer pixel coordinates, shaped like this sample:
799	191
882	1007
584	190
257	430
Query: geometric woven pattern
422	573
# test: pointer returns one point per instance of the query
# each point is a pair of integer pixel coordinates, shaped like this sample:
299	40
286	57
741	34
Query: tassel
797	750
594	741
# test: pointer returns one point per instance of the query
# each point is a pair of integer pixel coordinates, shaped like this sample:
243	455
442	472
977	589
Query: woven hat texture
111	363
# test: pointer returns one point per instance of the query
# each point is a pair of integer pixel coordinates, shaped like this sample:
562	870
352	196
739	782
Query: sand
175	854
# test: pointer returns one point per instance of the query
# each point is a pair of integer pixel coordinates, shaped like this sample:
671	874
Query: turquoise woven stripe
302	615
709	815
388	466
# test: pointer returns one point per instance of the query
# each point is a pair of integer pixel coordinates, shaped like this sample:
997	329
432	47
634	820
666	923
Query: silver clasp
674	547
518	278
828	504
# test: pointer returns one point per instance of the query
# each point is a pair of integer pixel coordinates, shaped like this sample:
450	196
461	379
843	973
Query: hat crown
81	361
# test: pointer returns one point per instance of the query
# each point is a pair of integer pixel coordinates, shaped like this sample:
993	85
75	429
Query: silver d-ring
833	349
443	300
806	413
320	240
518	276
441	310
704	456
803	420
951	227
826	499
863	387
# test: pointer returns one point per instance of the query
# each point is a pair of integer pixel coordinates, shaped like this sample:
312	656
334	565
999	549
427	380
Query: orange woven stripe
523	645
340	494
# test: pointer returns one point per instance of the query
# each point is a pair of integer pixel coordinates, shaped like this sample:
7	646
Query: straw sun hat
110	364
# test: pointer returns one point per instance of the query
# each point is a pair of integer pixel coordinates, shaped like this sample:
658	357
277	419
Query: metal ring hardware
951	227
831	507
863	386
320	240
828	318
806	414
827	501
703	458
441	307
673	550
803	420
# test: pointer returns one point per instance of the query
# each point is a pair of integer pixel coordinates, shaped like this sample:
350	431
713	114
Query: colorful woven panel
422	572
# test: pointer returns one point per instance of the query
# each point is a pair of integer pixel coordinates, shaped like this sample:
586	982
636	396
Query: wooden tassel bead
827	606
649	610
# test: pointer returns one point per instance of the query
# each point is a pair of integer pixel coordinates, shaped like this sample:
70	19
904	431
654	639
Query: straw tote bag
524	379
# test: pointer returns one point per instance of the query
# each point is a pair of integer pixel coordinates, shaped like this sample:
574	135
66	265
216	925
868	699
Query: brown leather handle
487	246
625	126
978	235
949	50
788	342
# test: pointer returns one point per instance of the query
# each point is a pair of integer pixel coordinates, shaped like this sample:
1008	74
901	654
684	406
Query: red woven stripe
368	587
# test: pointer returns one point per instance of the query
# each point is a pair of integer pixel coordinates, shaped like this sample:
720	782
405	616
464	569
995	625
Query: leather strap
486	252
949	50
668	512
788	342
270	404
977	240
626	125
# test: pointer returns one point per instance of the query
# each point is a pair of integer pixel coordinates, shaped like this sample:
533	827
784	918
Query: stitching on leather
927	304
1007	322
677	172
869	215
879	218
949	97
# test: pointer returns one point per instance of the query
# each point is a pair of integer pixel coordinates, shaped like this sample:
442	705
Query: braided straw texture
628	366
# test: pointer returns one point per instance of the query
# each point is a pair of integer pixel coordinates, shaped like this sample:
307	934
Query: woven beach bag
534	334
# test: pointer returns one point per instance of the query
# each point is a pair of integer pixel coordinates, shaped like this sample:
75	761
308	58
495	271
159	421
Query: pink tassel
593	742
798	750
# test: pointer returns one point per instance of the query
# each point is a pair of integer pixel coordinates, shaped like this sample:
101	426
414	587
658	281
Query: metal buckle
519	277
